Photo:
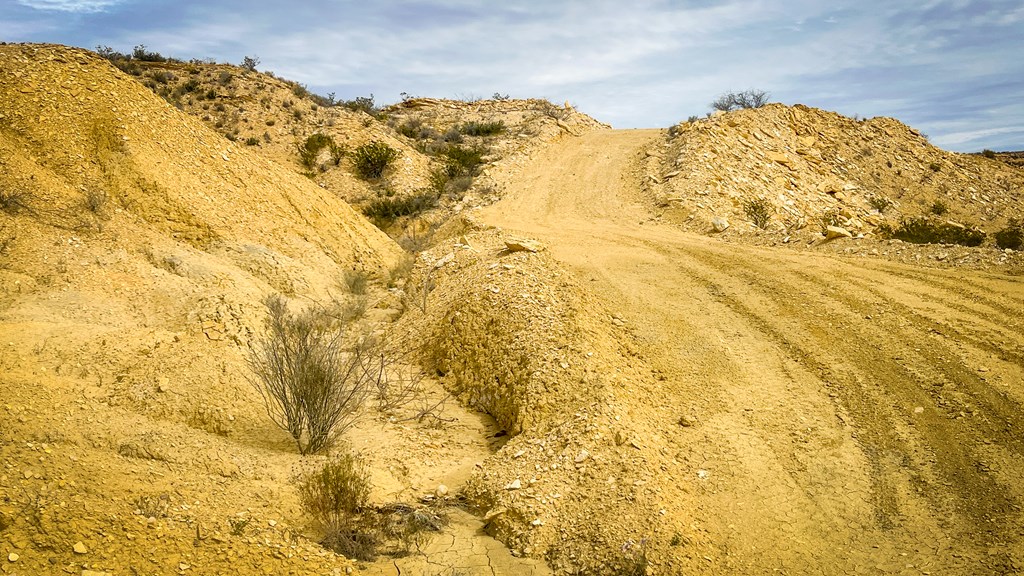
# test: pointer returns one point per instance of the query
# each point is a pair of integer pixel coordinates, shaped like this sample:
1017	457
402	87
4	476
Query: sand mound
136	248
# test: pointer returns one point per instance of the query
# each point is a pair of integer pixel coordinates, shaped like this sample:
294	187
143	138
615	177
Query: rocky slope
815	168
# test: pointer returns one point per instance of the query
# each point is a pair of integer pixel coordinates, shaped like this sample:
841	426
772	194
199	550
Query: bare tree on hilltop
737	100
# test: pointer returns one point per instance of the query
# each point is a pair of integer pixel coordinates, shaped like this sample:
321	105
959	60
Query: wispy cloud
80	6
647	63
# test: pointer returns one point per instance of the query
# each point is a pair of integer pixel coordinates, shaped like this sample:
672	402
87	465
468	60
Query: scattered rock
441	491
514	485
79	548
719	224
13	557
523	246
582	456
686	421
833	232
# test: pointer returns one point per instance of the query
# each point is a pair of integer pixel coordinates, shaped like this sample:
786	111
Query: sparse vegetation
1012	236
830	218
483	128
356	281
938	208
759	211
238	525
927	231
988	153
880	203
372	159
336	496
362	104
311	383
384	210
739	100
310	148
13	201
96	200
250	63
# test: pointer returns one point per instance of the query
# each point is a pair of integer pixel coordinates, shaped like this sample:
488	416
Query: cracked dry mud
849	415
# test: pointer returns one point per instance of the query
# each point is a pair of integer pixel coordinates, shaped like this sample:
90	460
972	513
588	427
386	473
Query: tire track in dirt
945	442
840	425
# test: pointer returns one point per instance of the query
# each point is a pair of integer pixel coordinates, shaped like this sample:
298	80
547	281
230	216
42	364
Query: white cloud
81	6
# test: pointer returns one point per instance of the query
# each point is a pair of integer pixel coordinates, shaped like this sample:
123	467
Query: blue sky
951	68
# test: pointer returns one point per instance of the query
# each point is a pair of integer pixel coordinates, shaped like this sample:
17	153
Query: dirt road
843	415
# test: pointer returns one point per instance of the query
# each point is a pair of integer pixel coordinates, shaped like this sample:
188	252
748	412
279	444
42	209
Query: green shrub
362	104
312	384
939	208
384	210
252	141
1012	236
988	153
759	211
310	148
461	161
935	167
371	160
482	128
927	231
140	53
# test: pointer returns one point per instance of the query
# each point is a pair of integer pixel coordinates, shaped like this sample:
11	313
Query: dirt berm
515	335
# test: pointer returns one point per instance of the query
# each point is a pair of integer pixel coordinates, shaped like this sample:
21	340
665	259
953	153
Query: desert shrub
737	100
140	53
452	136
988	153
357	281
939	208
483	128
829	218
211	94
415	128
362	104
310	148
880	203
1012	236
926	231
162	76
95	200
461	160
190	85
225	78
372	159
386	209
250	63
238	525
759	211
935	167
311	383
13	201
252	141
336	496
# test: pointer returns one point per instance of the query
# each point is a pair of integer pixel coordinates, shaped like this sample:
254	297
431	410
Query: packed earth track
837	415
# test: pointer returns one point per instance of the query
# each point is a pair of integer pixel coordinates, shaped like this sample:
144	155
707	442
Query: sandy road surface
851	415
